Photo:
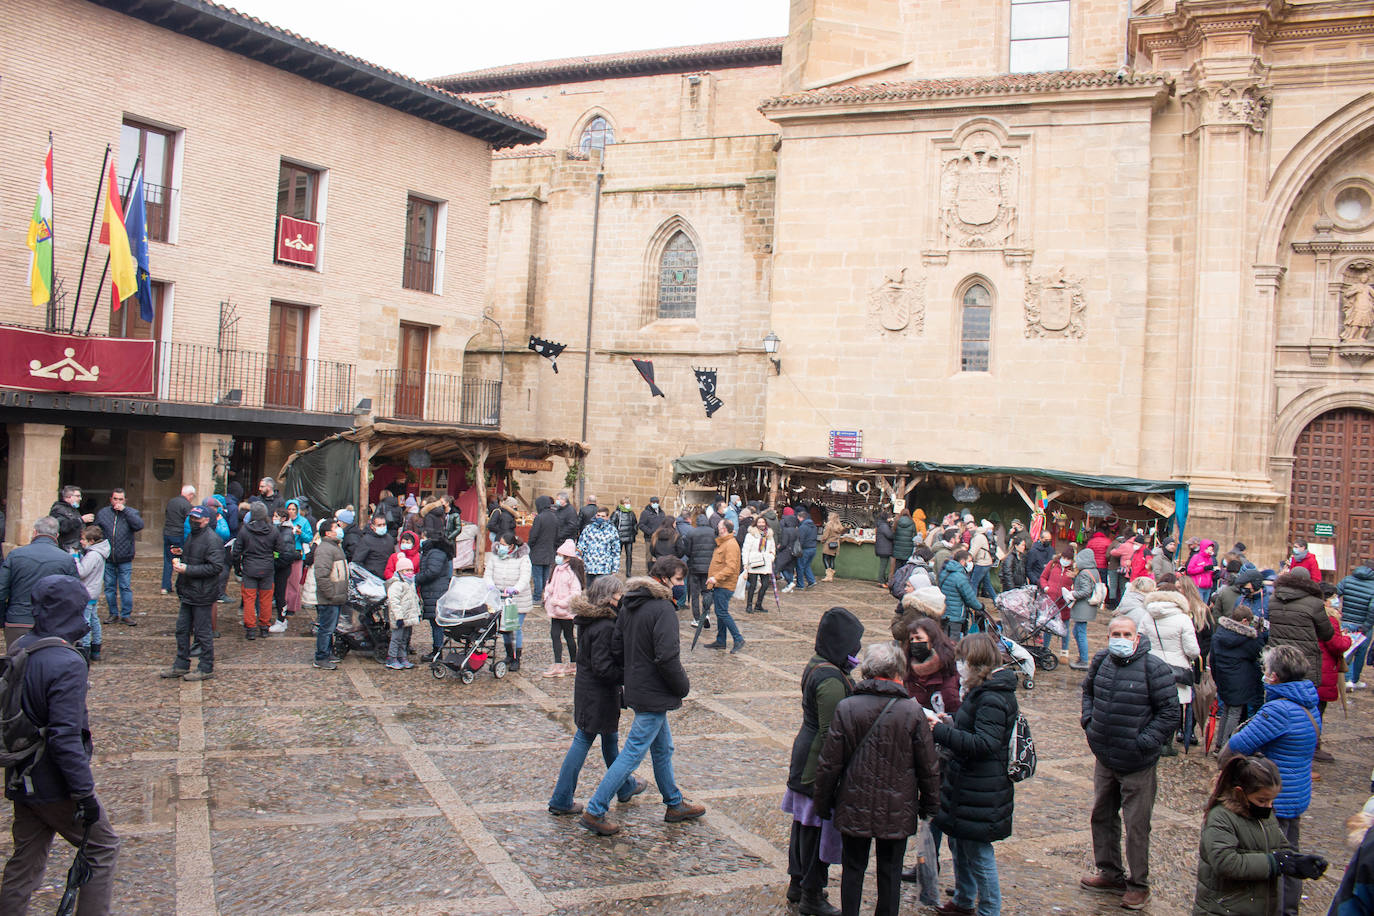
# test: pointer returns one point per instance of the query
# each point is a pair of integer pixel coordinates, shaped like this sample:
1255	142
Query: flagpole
85	256
124	201
52	288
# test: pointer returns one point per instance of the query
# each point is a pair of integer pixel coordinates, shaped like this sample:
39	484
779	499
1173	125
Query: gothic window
596	135
976	329
1039	35
677	278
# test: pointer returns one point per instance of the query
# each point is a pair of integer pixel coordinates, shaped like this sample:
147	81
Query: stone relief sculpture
1357	302
1054	305
899	304
978	194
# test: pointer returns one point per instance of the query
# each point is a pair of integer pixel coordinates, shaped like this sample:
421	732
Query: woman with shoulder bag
830	543
1173	639
758	556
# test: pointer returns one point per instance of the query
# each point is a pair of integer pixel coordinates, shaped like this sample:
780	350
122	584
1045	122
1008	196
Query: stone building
250	137
1132	240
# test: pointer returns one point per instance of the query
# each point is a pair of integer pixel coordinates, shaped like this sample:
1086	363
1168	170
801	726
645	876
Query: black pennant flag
706	382
646	370
547	349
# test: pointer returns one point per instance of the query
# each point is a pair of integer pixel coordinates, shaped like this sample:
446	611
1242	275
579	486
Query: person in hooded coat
58	796
432	577
1173	639
1357	616
1297	618
1085	582
254	550
958	592
543	545
1236	648
788	549
903	537
815	843
23	568
883	546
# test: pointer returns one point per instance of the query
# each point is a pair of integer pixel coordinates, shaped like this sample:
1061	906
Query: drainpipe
587	363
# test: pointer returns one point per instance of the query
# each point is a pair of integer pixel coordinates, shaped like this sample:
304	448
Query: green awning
724	459
1040	475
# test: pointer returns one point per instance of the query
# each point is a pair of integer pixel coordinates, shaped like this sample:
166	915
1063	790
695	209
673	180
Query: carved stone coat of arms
899	304
978	194
1054	305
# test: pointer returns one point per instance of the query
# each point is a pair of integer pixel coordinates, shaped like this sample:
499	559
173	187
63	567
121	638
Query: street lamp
770	346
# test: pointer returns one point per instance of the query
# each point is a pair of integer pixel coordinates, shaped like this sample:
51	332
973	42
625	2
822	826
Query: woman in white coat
1173	638
756	559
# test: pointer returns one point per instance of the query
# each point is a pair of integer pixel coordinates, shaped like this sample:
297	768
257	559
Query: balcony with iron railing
202	374
419	266
437	397
157	205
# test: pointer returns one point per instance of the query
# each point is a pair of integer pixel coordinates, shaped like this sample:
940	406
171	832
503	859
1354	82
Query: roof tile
963	87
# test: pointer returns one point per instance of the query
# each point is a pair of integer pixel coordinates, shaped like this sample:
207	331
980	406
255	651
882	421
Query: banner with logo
298	241
40	361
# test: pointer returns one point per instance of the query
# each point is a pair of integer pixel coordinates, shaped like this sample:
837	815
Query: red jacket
1054	580
413	555
1332	650
1140	563
1100	545
1308	563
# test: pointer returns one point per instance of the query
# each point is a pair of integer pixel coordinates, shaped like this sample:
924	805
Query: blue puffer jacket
959	594
306	534
1357	599
1282	731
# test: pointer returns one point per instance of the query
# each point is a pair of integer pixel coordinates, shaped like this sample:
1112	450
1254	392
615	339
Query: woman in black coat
596	692
254	550
882	547
976	794
431	580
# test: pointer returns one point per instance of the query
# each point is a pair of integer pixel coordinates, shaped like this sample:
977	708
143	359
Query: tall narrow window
298	229
297	188
287	338
156	145
677	278
976	327
418	271
1039	35
411	363
127	322
596	135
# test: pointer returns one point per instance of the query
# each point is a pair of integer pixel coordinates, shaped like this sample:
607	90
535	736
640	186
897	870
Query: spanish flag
123	276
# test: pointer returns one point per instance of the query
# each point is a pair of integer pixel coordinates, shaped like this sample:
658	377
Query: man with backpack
48	776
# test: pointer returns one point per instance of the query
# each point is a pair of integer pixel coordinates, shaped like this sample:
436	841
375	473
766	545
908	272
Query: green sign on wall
1324	530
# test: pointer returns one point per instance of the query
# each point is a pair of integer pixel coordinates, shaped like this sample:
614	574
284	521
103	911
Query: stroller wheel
467	676
499	669
1047	661
341	649
379	652
1030	683
438	670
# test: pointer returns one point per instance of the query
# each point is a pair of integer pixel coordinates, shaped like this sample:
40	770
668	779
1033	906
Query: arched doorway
1333	484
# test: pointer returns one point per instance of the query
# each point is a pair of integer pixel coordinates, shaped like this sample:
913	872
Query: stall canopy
725	459
1040	476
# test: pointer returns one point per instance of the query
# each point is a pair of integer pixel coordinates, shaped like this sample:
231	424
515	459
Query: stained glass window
596	135
977	329
677	278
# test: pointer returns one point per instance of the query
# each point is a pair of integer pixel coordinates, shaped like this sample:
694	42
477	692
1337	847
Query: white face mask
380	529
560	559
962	668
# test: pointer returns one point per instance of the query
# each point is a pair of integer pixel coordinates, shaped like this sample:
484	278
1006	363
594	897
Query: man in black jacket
627	526
70	521
1039	555
698	548
569	525
588	513
655	683
1130	709
198	569
173	521
56	794
543	545
21	572
375	547
650	520
120	522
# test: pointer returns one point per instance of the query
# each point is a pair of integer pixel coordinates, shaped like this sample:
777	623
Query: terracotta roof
965	87
250	37
755	52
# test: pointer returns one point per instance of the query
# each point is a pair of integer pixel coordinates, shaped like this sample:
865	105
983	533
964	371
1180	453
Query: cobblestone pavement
279	788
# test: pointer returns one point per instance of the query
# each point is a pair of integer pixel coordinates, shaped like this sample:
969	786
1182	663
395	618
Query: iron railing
417	270
439	397
157	205
198	374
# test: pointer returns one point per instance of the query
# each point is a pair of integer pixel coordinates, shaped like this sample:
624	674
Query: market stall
351	467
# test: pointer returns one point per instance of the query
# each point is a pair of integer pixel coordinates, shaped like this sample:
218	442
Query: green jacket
1235	872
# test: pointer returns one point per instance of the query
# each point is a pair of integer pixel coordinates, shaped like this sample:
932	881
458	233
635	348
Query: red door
410	375
286	342
1333	484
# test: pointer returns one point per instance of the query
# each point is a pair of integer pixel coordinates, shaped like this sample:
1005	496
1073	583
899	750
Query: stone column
35	459
198	463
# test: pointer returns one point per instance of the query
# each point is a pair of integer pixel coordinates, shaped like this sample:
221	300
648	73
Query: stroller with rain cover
1015	654
1027	616
371	629
469	616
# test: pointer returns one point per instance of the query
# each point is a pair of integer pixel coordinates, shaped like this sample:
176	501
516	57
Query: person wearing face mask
1301	558
815	843
958	591
70	521
569	524
1297	618
1202	568
375	548
1039	555
1083	611
408	544
331	590
404	608
650	520
1130	710
568	580
931	677
626	524
1055	578
1287	730
507	570
1243	854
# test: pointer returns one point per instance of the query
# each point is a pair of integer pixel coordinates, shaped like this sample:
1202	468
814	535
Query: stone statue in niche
1357	302
899	304
1054	305
978	194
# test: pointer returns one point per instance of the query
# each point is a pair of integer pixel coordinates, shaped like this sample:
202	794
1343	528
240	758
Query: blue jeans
1080	639
805	577
167	545
119	576
324	632
975	876
981	580
520	634
1357	661
538	576
562	797
93	621
648	735
720	597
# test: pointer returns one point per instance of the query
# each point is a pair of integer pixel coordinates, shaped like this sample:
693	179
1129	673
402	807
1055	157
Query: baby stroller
1026	618
469	616
371	630
1015	654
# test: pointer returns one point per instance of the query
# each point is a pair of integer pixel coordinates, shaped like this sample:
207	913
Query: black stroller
469	617
371	627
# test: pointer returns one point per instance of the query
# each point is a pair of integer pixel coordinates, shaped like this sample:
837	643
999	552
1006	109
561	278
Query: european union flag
136	226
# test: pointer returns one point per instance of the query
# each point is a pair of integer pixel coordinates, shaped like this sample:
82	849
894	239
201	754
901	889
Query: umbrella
696	630
1187	726
1209	733
778	601
77	875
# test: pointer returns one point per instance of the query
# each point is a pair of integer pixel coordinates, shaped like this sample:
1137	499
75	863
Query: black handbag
1182	676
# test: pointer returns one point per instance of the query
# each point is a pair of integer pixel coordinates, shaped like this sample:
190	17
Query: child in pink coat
568	579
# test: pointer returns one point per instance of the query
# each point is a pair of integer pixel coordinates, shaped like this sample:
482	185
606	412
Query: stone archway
1333	484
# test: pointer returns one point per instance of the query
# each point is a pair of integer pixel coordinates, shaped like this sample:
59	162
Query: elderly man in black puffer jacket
22	570
1130	709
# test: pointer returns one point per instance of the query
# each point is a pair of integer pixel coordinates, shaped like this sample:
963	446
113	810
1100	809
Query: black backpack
22	741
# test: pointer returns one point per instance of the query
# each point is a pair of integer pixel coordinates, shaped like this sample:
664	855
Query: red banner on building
39	361
298	241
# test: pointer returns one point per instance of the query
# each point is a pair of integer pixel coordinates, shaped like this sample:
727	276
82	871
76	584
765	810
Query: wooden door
1333	483
286	347
410	375
418	270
